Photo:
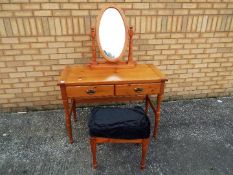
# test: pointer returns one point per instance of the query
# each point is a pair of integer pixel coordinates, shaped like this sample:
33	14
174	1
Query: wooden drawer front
90	91
138	89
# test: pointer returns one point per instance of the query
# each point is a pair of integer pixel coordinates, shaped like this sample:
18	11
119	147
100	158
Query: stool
119	125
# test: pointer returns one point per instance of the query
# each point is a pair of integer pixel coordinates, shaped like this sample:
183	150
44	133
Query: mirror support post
93	34
130	55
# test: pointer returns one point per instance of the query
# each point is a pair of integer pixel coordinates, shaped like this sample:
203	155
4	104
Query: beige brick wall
191	41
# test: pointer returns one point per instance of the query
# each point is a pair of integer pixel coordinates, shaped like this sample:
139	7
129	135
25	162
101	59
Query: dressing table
110	80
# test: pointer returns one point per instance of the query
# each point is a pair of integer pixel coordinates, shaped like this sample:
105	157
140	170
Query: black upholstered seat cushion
119	123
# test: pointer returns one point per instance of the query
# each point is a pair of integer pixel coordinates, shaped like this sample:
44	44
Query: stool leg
93	151
145	144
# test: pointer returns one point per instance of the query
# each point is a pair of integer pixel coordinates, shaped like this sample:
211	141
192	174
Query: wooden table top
84	75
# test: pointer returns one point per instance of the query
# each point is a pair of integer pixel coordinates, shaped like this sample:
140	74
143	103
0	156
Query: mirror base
123	65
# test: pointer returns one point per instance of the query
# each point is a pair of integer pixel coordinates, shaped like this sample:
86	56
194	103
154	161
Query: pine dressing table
110	81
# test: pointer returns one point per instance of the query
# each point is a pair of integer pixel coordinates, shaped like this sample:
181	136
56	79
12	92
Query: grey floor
195	137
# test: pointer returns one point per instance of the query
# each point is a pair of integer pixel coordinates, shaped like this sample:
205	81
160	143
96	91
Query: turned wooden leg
157	115
147	104
74	110
93	151
145	144
68	121
66	108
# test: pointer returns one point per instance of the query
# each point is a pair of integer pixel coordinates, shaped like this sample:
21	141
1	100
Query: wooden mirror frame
98	37
128	42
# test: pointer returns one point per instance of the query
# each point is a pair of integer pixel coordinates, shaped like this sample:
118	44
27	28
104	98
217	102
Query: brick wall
191	41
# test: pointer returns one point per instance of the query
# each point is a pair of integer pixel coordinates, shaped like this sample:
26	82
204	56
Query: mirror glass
112	34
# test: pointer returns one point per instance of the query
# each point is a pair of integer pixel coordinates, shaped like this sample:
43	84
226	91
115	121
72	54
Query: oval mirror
111	33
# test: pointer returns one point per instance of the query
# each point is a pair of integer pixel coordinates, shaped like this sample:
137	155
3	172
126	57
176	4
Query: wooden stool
119	125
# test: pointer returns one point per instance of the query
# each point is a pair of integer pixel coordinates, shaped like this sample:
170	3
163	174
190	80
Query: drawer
90	91
138	89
